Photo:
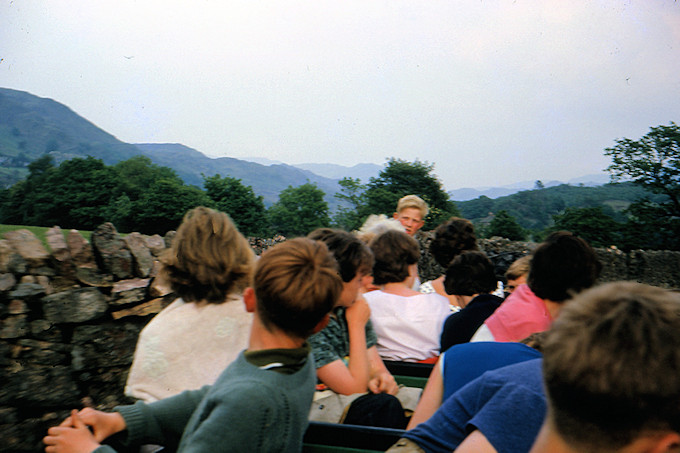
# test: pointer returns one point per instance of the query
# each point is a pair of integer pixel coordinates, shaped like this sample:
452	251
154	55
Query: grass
40	232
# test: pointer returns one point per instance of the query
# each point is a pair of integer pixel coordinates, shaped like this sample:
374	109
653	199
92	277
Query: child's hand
103	424
383	383
359	313
76	438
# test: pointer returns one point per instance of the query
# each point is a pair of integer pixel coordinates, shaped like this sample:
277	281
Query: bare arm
354	377
382	380
475	442
430	400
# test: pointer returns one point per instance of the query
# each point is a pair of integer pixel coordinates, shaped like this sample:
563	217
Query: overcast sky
491	92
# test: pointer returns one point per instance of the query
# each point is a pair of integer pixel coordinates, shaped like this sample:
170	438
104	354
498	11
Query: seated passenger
408	323
517	274
451	238
561	266
470	279
464	363
190	342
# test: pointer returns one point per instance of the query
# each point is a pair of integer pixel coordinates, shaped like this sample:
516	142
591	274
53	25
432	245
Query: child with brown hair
190	342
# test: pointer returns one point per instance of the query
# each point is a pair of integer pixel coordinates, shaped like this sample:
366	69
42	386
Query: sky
490	92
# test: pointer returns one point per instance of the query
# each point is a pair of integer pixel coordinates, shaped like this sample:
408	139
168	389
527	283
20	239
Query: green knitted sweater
247	409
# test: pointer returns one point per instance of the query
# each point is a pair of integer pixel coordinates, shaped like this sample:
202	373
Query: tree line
137	195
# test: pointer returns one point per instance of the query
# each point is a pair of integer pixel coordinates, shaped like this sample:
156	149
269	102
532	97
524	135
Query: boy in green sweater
261	402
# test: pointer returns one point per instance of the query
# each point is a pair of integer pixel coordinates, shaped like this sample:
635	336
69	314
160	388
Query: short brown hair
353	255
451	238
394	252
208	258
562	266
611	365
296	284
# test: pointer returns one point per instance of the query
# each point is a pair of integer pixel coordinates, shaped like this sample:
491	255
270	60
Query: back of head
208	258
413	201
451	238
377	224
562	266
353	256
394	252
470	273
296	284
611	366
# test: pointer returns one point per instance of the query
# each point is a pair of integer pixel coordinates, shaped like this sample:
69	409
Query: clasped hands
83	431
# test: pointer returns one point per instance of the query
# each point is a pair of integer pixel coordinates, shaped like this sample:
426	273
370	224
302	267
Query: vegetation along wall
70	314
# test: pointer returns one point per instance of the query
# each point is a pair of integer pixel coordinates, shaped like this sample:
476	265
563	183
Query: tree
400	178
505	226
591	224
653	162
239	201
299	210
163	205
348	217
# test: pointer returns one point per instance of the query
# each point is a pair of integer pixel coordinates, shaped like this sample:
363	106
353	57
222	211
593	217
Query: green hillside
533	209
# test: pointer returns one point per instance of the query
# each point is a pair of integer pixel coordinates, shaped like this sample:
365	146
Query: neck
552	307
549	442
262	338
399	288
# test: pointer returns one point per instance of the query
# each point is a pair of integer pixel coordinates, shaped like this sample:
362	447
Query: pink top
520	315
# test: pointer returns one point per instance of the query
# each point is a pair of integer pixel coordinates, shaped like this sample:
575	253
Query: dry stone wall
70	314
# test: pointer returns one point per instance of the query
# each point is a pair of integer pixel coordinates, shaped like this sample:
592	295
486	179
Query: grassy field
38	231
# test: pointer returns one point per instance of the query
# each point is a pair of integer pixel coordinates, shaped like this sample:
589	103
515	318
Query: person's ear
249	299
322	324
395	215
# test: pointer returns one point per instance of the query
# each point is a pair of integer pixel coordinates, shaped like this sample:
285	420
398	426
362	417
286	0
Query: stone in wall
109	249
10	260
143	259
129	291
29	247
61	254
75	306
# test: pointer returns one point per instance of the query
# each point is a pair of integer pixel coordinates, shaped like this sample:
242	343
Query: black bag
376	409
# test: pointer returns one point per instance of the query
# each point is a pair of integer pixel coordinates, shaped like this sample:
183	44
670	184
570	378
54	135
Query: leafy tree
299	210
400	178
538	185
77	193
652	162
349	217
138	173
505	225
163	205
239	201
591	224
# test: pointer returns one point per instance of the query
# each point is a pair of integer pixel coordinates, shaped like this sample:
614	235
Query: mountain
361	171
31	126
266	180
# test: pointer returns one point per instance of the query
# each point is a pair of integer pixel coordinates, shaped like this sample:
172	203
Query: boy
411	213
611	369
349	334
261	402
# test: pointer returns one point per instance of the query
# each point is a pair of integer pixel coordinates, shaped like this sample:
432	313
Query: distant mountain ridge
31	126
